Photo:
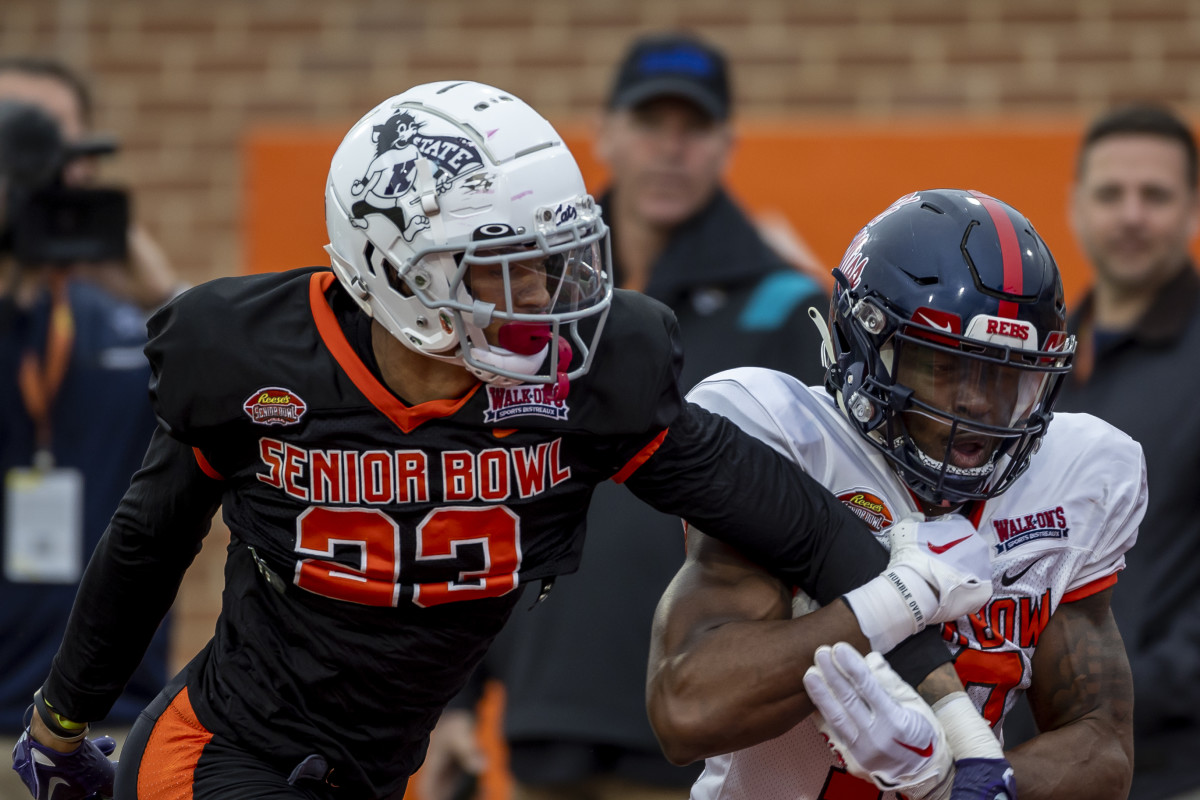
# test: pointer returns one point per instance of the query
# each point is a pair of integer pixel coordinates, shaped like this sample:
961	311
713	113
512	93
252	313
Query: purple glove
50	775
983	779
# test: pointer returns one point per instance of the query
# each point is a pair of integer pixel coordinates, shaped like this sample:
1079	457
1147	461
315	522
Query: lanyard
40	380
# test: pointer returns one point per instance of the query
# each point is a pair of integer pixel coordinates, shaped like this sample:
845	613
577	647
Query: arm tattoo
1080	667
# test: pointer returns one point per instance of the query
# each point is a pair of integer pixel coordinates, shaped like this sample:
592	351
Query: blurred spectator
574	667
75	415
1134	210
145	277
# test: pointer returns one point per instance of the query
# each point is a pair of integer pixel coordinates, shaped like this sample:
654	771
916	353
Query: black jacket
1144	381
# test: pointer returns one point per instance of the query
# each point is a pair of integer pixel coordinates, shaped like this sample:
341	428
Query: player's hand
51	774
951	558
939	571
453	757
877	723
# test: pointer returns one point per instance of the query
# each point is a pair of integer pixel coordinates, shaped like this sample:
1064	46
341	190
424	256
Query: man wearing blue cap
574	668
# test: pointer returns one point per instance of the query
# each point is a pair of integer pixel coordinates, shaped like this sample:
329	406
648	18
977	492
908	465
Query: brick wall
180	82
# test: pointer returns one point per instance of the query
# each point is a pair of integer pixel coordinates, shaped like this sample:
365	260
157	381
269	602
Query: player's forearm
740	683
1082	697
1084	759
131	580
742	492
939	683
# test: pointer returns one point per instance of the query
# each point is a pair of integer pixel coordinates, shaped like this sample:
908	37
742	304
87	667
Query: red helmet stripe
1010	251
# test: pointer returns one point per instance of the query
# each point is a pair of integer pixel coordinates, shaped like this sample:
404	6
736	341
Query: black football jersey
376	546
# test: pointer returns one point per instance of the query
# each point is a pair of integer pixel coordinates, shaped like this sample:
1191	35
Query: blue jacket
101	425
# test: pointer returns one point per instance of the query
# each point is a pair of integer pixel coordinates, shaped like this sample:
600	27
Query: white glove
877	723
939	571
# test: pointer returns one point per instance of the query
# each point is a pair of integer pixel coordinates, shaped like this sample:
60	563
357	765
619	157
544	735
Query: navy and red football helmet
949	342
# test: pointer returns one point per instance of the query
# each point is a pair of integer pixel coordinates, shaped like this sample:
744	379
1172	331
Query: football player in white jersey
946	349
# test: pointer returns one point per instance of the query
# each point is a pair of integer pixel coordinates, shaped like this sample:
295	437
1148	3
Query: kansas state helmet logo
389	184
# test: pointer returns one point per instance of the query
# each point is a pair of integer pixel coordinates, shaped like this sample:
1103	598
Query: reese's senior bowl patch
505	402
869	508
275	406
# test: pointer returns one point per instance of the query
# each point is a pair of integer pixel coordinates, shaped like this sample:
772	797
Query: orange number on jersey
377	537
998	672
440	534
375	582
841	785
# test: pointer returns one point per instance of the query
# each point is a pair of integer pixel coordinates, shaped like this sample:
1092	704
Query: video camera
42	220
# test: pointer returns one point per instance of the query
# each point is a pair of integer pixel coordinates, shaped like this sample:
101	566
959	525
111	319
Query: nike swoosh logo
941	548
1009	580
923	752
944	327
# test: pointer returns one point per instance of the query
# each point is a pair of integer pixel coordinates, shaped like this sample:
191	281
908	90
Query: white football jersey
1058	534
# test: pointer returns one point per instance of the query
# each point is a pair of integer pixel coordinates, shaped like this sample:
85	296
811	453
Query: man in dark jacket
574	667
1134	210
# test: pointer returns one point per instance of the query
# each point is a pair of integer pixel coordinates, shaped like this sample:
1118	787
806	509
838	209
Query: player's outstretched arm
1082	698
131	579
726	658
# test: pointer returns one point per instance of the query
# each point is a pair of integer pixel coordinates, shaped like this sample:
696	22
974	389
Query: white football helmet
455	182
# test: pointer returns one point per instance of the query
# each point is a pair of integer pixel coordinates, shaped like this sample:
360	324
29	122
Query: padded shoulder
633	383
1101	471
217	343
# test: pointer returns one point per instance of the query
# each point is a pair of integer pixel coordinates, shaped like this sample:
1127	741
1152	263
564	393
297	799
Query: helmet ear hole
395	281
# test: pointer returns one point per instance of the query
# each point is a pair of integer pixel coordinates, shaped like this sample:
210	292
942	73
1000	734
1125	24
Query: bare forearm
1082	760
741	683
1082	697
939	683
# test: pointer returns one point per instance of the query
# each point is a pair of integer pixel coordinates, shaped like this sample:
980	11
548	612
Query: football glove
877	724
83	773
939	571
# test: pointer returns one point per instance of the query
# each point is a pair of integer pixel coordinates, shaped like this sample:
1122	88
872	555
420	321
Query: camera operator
144	276
75	416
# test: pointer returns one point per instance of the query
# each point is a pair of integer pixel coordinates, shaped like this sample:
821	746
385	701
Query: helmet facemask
959	416
510	296
948	342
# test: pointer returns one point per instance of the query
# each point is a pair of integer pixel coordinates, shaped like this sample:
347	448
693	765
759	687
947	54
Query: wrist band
58	725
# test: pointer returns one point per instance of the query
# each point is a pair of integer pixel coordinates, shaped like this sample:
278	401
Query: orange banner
826	178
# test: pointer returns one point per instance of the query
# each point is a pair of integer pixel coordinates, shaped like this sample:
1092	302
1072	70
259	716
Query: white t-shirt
1058	534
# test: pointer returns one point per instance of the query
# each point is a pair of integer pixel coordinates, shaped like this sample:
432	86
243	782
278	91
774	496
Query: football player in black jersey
397	444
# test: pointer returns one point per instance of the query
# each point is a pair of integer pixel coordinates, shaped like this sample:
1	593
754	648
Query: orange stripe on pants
169	761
